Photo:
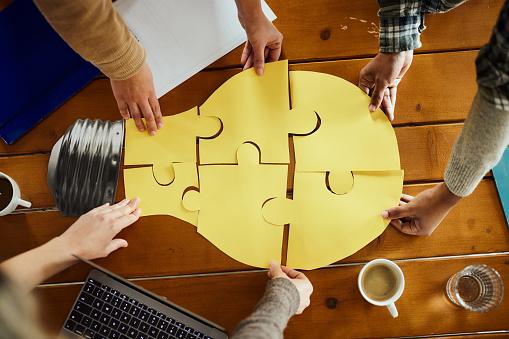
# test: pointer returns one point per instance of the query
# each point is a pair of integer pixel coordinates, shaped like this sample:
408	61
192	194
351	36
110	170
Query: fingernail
152	133
385	214
160	125
372	108
259	70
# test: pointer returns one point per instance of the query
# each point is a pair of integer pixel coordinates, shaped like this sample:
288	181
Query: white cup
16	197
400	285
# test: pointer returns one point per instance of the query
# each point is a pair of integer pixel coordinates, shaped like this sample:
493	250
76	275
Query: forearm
95	31
482	141
249	10
31	268
268	321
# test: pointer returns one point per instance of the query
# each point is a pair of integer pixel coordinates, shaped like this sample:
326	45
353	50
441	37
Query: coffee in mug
10	195
381	283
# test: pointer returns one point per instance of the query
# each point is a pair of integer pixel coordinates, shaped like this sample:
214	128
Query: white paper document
181	37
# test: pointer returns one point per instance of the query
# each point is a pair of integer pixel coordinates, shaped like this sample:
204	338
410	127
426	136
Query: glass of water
477	288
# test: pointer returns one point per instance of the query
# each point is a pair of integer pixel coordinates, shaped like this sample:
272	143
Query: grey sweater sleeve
271	315
479	147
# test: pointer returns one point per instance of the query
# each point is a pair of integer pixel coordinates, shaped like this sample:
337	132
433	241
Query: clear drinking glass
477	288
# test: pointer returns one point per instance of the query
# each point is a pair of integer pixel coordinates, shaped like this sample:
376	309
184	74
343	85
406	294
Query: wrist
61	250
445	196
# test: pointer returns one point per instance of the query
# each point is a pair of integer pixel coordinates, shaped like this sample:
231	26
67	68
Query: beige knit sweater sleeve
96	32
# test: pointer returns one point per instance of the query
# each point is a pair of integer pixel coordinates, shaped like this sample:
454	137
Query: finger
127	220
123	109
275	270
259	58
124	210
115	244
293	274
406	197
249	62
364	88
393	94
149	117
154	104
136	115
245	53
398	212
119	204
274	53
377	95
406	227
387	105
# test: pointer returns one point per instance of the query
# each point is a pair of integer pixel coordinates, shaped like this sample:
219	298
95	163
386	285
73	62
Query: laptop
110	306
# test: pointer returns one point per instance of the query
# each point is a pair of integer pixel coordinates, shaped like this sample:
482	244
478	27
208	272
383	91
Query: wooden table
170	258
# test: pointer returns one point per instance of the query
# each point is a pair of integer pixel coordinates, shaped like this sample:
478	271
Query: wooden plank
426	96
337	309
475	335
329	29
424	154
476	225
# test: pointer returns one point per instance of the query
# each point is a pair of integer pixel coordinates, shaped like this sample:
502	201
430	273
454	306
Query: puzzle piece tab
230	203
349	138
255	109
174	143
325	227
156	199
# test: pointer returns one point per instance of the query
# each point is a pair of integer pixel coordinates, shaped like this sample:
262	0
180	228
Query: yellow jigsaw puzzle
347	168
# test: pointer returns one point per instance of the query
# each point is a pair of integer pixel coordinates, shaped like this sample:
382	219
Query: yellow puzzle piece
349	138
156	199
230	202
325	227
176	142
255	109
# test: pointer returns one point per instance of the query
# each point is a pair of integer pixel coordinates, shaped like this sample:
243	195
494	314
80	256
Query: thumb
398	212
115	244
377	96
275	270
259	58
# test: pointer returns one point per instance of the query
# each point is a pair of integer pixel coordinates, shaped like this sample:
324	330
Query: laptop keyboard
103	312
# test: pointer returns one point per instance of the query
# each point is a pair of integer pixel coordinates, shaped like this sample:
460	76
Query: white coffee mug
400	285
16	197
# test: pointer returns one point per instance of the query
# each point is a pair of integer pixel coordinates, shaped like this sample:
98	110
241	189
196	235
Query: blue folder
38	70
501	174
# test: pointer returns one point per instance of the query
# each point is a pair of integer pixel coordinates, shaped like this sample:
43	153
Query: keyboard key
124	297
86	298
162	325
188	329
98	304
105	318
135	322
114	323
144	315
143	307
114	292
107	297
132	333
172	330
105	330
107	308
144	327
96	326
116	313
133	301
142	336
99	336
123	328
163	335
125	306
161	315
153	331
89	288
94	282
181	334
125	318
86	321
152	320
191	336
79	329
151	310
89	334
134	311
116	301
83	308
76	316
96	314
98	292
114	335
70	325
179	324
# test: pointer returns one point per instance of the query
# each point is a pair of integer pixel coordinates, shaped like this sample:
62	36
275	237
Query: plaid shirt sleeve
402	21
493	64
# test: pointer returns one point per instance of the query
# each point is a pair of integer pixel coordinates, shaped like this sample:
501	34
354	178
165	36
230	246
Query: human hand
421	215
297	278
263	43
93	234
136	98
380	78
